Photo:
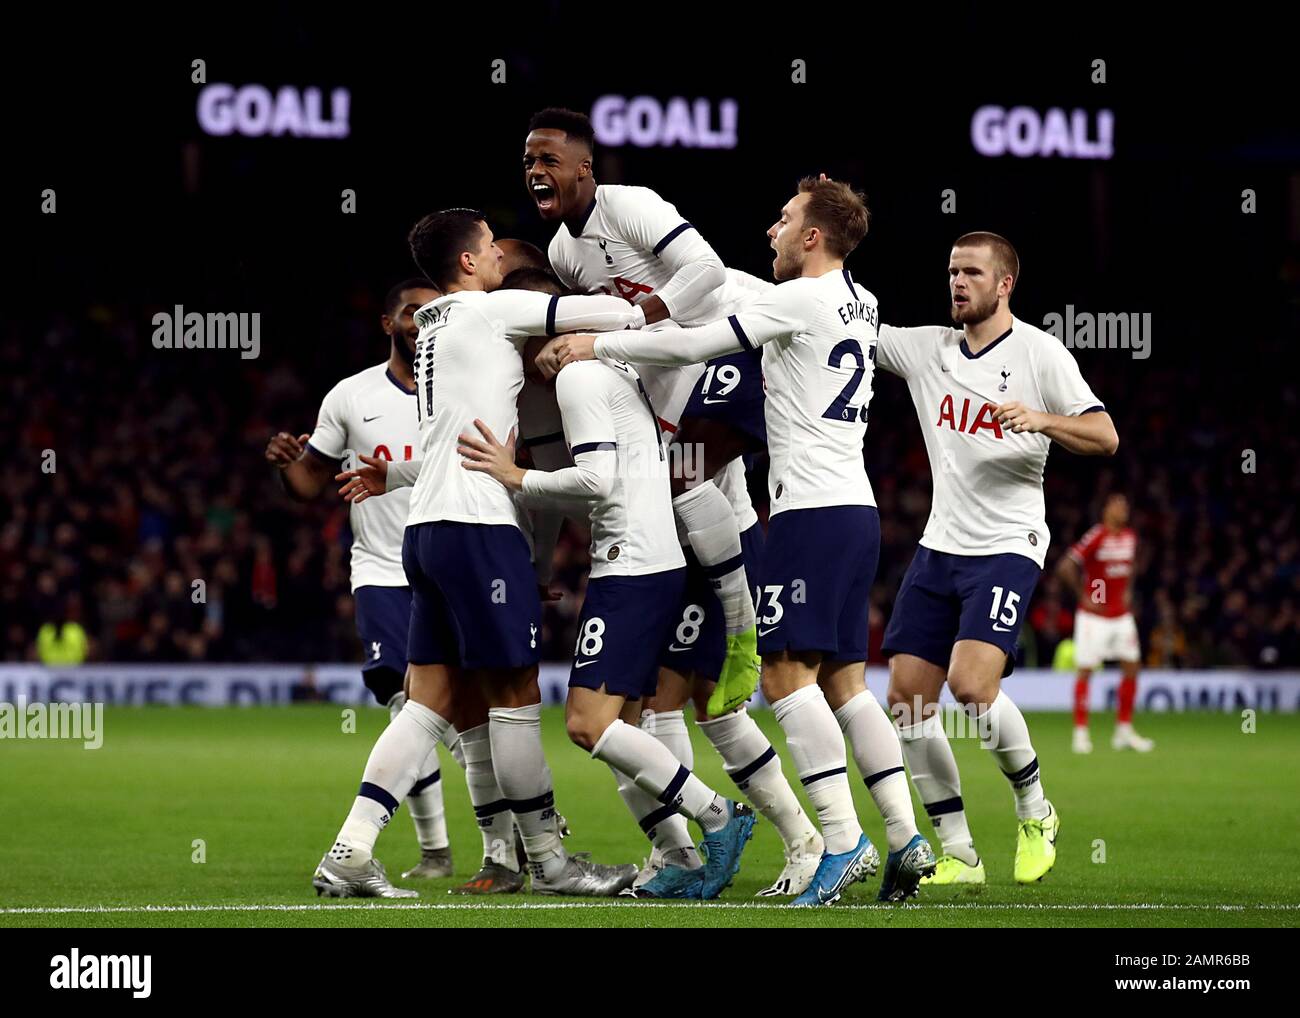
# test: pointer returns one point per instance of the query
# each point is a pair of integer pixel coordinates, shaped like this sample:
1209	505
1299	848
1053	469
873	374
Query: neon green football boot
1036	846
739	676
950	870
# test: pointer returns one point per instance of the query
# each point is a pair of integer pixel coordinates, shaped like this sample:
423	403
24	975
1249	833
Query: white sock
879	757
711	526
817	748
934	772
663	825
752	763
491	810
452	741
648	762
390	772
1005	734
424	800
450	738
669	727
525	780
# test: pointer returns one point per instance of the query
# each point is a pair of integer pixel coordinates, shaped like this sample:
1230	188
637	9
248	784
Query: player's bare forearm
305	478
302	475
1085	434
655	310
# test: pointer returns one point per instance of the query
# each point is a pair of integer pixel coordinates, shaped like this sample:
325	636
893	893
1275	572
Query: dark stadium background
160	472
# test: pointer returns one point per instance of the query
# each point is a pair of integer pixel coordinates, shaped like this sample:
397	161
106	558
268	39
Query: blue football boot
723	848
836	872
905	868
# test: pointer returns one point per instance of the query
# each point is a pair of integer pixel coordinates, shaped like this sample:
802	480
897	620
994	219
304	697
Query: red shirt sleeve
1082	549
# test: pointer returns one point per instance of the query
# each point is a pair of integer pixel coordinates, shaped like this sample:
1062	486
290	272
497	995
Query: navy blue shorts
945	598
625	621
818	567
699	643
474	599
731	390
383	618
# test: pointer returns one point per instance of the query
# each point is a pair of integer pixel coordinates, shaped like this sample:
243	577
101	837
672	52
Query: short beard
785	269
973	314
404	350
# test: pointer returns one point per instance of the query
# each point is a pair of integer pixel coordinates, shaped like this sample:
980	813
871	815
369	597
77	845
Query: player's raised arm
653	224
771	317
589	429
528	313
307	463
302	474
900	351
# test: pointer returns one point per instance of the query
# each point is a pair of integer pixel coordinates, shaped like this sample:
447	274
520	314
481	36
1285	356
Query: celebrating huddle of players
639	347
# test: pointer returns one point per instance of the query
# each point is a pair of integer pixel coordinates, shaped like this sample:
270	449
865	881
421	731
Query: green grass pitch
1200	833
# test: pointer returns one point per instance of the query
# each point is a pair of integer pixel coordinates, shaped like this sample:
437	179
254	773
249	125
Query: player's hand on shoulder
359	484
576	347
284	449
1019	418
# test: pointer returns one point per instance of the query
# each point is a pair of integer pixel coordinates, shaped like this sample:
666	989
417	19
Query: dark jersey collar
393	378
585	217
965	350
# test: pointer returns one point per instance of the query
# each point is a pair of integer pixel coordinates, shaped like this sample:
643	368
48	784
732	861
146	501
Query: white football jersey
620	464
988	480
818	336
636	245
468	366
371	413
633	244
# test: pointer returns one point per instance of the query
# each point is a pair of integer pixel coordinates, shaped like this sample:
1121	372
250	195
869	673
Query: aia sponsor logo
382	452
972	420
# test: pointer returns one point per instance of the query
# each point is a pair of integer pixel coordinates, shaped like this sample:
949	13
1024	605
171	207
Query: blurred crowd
141	522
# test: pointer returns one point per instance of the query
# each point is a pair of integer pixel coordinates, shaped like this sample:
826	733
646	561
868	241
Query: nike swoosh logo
367	420
764	632
945	368
674	650
710	402
1001	629
583	664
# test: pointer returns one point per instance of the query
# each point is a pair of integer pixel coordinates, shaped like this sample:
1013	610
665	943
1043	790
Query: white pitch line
718	906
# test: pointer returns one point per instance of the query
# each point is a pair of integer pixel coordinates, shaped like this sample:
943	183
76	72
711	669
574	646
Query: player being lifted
628	240
1099	569
630	609
817	331
373	413
992	394
475	612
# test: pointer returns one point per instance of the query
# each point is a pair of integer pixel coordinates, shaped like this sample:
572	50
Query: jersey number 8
589	640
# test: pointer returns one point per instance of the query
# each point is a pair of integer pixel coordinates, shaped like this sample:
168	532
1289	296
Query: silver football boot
434	863
582	878
337	880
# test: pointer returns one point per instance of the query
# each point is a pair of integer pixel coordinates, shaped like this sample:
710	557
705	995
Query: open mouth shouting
544	195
